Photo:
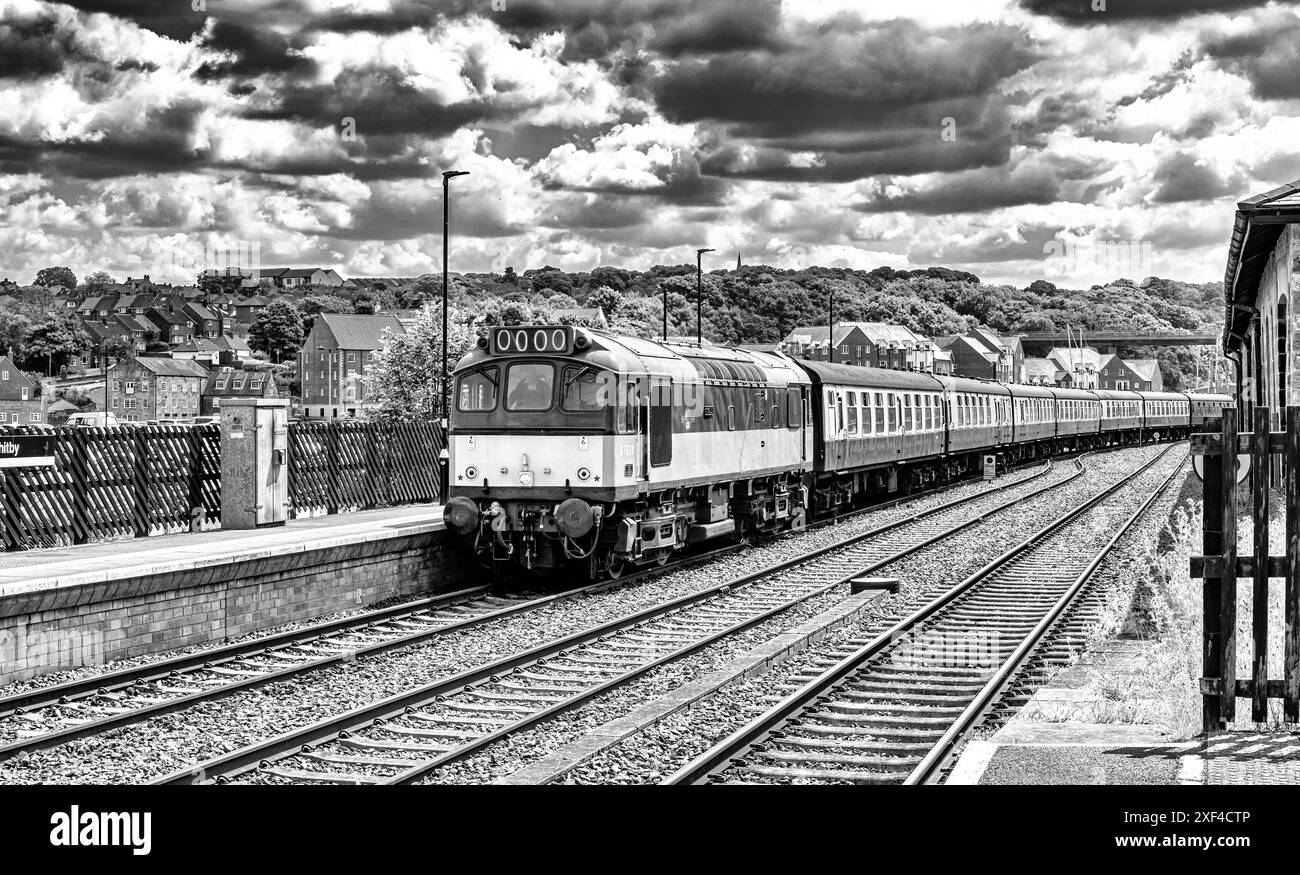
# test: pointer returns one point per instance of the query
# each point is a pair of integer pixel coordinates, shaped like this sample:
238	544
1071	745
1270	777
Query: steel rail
733	747
927	770
171	669
292	742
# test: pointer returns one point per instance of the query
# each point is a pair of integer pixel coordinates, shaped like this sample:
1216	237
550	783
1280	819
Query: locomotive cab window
794	408
478	391
583	390
530	386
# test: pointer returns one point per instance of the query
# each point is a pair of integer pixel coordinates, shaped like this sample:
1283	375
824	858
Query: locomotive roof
873	378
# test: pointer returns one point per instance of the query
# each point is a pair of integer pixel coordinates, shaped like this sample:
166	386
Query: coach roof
873	378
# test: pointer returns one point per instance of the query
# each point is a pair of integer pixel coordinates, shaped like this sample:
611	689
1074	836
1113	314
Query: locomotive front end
535	451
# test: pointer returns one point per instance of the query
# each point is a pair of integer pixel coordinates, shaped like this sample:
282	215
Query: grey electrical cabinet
254	462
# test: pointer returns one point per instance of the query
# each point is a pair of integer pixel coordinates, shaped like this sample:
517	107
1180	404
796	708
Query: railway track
46	717
893	710
404	738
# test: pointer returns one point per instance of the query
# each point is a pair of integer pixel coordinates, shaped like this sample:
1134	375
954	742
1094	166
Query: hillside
758	304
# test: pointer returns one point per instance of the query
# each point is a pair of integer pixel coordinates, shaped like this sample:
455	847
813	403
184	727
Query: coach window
853	413
880	413
584	391
478	390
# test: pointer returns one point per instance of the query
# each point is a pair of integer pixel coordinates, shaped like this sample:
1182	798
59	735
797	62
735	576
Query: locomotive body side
613	451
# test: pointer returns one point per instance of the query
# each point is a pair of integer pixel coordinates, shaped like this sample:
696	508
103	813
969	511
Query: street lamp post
664	288
830	331
444	456
699	295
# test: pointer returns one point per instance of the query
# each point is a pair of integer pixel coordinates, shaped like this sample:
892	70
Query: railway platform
68	607
1069	733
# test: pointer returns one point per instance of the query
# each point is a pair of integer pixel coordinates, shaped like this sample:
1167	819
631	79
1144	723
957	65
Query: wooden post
1261	463
195	435
140	480
332	467
77	455
1211	600
1228	594
1291	645
11	512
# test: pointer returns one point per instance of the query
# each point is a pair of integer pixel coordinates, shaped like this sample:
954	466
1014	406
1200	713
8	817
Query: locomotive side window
529	386
631	408
584	391
794	408
478	391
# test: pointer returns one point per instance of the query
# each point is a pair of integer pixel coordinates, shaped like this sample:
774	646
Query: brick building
1139	375
232	383
155	388
982	355
868	344
21	402
333	361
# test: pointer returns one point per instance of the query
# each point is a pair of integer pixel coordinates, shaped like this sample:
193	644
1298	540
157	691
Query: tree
14	328
98	281
404	377
510	277
56	276
313	305
119	348
277	331
424	290
54	341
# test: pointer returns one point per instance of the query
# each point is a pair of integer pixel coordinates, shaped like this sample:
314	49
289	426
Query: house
1140	375
1040	372
292	277
333	361
204	321
173	328
943	362
155	388
236	383
21	401
981	354
590	316
871	344
1076	367
201	349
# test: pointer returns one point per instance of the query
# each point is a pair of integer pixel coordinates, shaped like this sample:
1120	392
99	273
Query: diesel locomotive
573	446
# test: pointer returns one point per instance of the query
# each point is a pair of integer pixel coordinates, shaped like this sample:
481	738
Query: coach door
660	421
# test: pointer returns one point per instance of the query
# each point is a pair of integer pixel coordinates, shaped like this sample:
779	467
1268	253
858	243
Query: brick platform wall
89	625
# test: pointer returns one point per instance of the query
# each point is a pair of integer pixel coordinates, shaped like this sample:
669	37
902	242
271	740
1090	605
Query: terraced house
20	400
156	388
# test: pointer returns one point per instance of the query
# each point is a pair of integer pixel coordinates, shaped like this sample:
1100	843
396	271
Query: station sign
1243	466
26	451
533	340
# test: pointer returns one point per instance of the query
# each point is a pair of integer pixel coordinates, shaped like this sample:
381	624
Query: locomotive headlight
471	473
584	473
526	478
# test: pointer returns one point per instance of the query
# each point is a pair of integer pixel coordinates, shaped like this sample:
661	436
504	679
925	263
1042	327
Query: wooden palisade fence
348	465
1221	567
108	483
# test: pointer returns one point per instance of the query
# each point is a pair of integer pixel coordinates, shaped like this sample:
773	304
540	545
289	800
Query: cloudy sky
1016	139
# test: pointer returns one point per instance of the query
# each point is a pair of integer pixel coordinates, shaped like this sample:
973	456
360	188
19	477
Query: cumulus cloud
633	131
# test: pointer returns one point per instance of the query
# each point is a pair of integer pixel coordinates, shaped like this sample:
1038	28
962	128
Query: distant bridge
1121	338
